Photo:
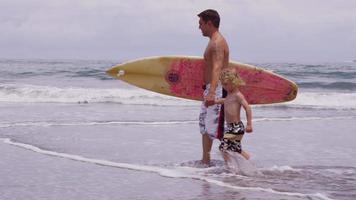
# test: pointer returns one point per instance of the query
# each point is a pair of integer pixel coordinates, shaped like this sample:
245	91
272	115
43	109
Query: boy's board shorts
211	119
233	145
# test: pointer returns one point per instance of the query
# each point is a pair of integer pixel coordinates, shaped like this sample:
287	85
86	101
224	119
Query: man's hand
209	99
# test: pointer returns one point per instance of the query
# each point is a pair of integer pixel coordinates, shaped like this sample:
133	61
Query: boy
233	102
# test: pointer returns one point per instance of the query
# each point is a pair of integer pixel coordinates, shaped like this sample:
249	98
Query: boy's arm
219	101
248	111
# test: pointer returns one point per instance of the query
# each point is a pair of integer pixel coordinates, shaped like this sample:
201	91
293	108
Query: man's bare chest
207	53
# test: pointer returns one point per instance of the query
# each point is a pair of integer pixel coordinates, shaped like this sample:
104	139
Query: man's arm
217	59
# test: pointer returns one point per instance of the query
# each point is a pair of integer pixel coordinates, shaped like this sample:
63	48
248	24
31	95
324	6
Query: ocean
69	131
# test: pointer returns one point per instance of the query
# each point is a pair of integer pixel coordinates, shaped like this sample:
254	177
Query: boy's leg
245	154
226	157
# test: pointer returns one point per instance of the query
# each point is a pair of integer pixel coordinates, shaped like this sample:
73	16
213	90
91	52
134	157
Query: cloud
256	29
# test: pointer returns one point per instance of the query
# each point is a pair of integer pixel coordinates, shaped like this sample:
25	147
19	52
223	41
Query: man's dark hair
210	15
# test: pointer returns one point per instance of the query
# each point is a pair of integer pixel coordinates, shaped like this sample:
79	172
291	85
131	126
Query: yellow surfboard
182	76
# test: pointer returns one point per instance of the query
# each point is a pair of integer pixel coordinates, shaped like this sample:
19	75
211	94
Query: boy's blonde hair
230	75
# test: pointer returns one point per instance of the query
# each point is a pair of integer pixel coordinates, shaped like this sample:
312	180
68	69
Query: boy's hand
248	129
219	101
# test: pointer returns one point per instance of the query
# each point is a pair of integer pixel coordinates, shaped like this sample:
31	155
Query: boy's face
227	85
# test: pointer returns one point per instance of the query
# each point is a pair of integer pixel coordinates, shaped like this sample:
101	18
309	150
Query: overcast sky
256	30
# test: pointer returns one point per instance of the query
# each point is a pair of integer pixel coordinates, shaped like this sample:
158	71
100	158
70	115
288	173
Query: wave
334	100
340	85
15	93
27	68
94	123
152	123
178	172
301	118
281	169
48	94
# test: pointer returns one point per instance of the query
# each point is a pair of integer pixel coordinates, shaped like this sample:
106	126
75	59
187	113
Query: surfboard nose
116	72
112	72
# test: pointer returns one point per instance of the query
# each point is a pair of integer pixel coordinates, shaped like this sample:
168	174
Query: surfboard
182	76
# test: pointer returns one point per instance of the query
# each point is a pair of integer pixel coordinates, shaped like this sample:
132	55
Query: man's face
203	26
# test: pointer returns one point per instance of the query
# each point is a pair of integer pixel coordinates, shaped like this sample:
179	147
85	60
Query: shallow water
69	132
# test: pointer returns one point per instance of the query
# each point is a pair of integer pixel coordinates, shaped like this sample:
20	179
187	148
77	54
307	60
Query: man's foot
203	164
205	160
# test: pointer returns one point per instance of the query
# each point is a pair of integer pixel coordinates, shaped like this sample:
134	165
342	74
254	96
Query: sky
256	30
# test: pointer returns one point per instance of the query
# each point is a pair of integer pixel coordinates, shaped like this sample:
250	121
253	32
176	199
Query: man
216	57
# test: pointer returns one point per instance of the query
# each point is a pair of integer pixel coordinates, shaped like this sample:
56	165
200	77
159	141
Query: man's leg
207	144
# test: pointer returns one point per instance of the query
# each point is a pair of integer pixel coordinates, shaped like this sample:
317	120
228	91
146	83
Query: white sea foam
180	172
301	118
239	165
325	100
282	169
342	171
94	123
148	123
45	94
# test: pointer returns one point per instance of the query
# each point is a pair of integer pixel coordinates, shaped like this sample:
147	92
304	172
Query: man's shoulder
217	44
220	42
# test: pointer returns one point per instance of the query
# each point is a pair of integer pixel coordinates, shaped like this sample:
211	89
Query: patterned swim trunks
230	145
231	141
211	119
232	130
